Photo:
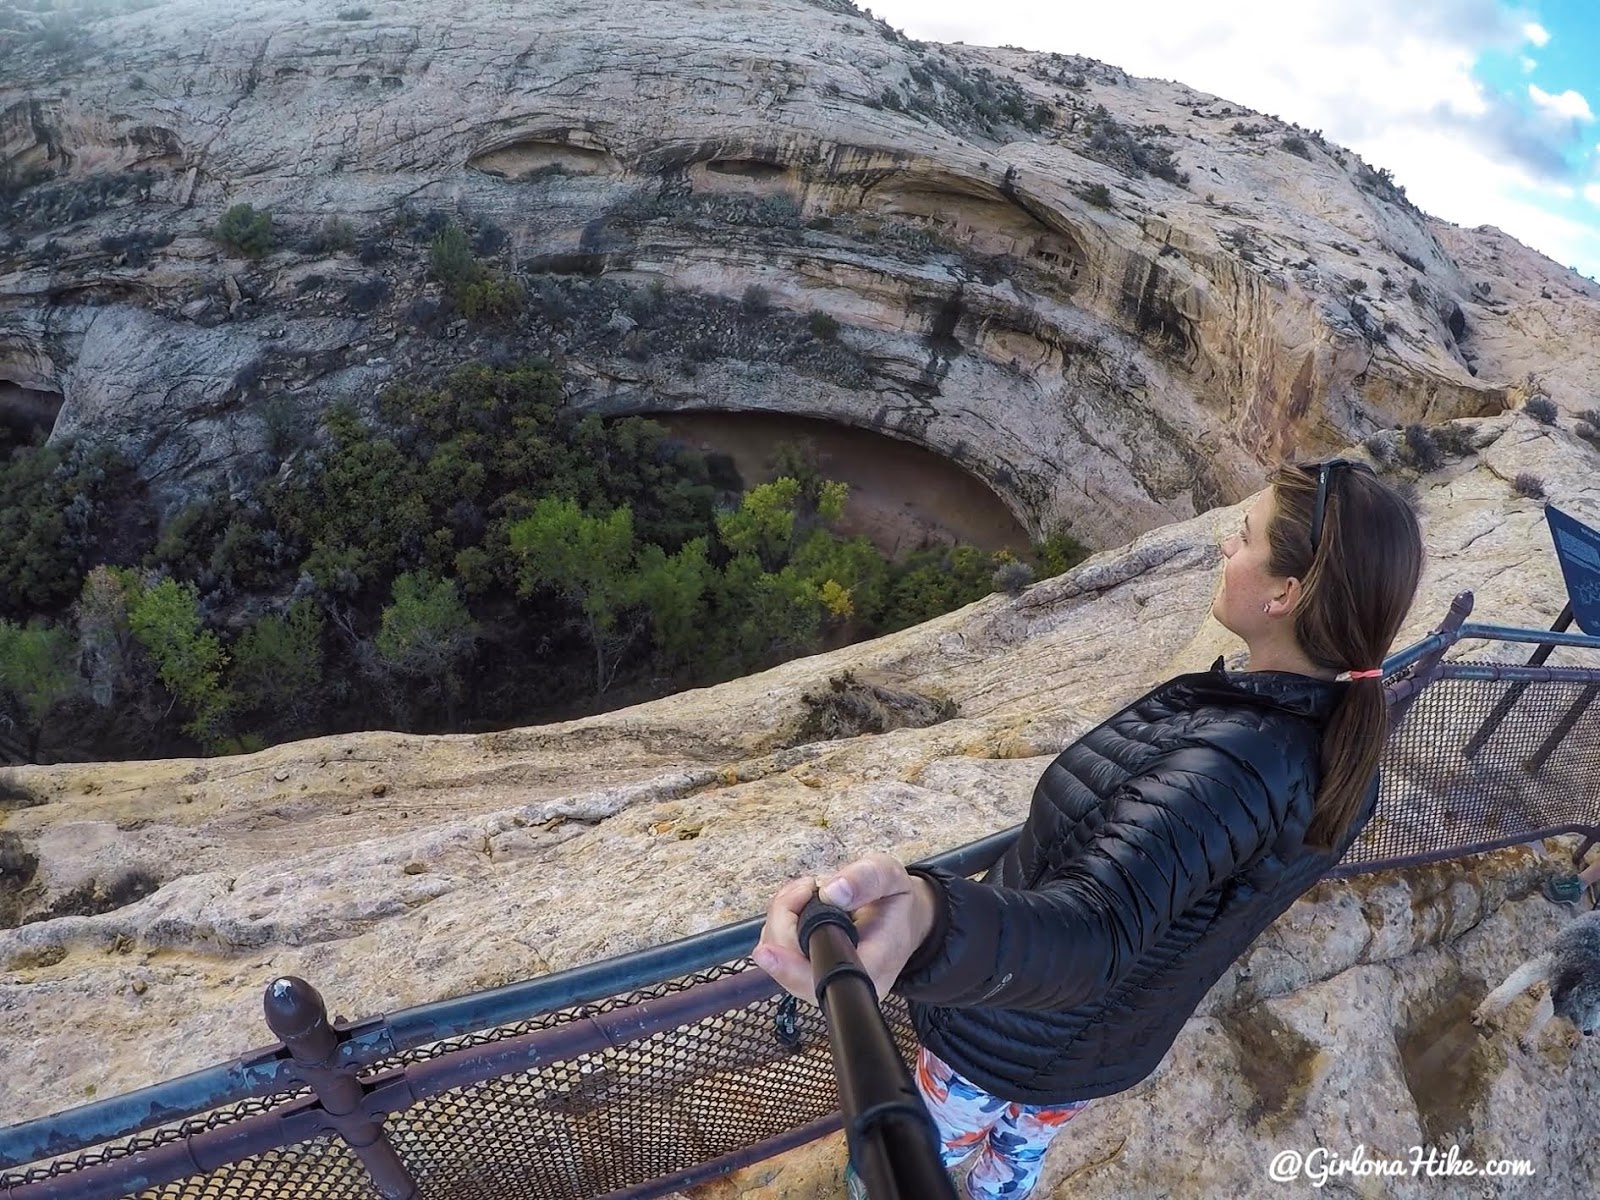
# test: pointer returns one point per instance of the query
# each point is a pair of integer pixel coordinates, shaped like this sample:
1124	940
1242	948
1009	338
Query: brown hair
1355	592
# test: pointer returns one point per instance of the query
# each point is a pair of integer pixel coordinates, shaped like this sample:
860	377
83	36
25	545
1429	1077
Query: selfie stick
893	1141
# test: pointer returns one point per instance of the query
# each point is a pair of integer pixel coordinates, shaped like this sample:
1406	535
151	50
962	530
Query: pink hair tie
1374	674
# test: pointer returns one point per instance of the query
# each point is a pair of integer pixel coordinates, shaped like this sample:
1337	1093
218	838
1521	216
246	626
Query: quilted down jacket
1157	848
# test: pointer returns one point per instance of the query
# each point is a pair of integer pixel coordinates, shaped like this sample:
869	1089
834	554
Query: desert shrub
246	230
1456	439
1116	146
489	238
450	258
1588	431
1542	409
354	14
135	246
780	210
1099	195
823	327
1529	485
332	235
283	428
1012	577
1295	144
1059	552
1422	450
493	300
756	300
367	294
852	707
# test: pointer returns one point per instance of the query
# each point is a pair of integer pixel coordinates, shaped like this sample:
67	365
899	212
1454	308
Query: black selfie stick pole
893	1142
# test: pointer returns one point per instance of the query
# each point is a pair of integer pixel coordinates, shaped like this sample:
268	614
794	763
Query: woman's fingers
778	950
783	914
876	890
874	877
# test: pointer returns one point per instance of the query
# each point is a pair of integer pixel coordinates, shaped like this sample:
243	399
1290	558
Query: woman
1158	846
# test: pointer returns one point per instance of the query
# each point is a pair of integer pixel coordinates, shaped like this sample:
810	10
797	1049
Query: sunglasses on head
1325	470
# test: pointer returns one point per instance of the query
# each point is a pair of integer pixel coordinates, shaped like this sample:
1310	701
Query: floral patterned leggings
1013	1136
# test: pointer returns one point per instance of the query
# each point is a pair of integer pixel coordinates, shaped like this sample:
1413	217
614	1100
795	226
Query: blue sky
1485	110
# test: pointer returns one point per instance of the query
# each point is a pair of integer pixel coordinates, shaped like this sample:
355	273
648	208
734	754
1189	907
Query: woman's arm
1155	847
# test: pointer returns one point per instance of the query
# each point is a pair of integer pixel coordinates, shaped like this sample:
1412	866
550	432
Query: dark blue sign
1578	550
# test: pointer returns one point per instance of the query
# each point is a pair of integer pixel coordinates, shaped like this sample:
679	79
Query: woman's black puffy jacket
1158	847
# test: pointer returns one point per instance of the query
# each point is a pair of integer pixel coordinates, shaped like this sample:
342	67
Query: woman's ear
1290	595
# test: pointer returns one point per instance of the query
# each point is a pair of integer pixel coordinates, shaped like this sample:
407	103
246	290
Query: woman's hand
893	911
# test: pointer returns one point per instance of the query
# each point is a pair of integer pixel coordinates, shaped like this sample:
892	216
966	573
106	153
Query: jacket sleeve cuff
956	960
932	946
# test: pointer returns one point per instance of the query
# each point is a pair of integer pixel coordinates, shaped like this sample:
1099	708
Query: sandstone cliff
1023	281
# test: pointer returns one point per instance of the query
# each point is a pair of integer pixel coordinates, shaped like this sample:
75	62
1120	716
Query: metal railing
641	1075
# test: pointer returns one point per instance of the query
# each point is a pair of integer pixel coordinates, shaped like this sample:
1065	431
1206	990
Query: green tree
763	617
165	619
852	564
1059	552
451	260
247	230
105	641
362	515
62	509
426	634
764	523
590	561
277	665
935	581
36	674
673	589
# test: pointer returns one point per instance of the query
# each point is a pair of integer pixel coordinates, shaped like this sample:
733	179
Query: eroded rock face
392	870
1116	362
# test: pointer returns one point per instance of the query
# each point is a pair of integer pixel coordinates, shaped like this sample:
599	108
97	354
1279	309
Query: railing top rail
1547	637
1518	671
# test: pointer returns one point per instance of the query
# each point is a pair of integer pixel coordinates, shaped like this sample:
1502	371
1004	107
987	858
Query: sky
1485	110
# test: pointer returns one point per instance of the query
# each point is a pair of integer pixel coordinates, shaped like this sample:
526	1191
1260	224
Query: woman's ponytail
1355	593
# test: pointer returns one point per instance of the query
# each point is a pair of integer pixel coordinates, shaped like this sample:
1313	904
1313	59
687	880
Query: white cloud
1568	104
1536	33
1529	65
1391	79
1592	194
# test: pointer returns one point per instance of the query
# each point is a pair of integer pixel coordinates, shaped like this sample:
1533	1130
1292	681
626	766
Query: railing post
1403	693
1558	734
298	1016
1492	722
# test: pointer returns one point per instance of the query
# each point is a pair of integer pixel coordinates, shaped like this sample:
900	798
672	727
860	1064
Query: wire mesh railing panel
145	1142
323	1168
628	1115
549	1020
1475	762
